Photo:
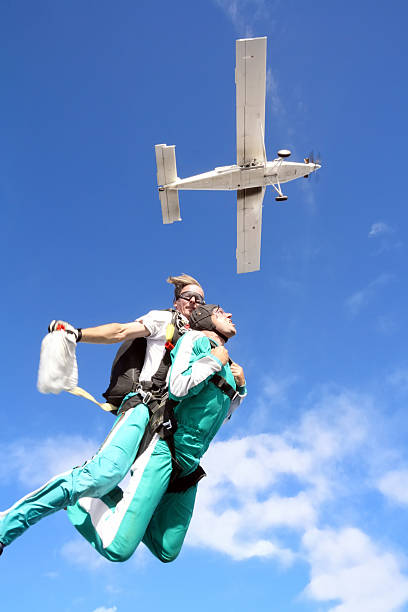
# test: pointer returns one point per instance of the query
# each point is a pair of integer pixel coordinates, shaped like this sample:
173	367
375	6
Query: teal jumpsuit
114	521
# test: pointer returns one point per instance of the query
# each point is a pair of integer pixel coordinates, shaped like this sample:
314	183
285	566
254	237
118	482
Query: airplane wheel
281	198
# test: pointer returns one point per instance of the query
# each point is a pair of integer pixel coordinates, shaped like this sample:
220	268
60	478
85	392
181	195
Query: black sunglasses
189	295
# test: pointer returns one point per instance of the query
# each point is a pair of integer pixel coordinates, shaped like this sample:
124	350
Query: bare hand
238	374
221	353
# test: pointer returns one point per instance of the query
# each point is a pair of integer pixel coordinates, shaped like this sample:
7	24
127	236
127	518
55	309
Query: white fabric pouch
58	369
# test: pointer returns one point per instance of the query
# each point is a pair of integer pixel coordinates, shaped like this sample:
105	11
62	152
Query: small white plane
252	173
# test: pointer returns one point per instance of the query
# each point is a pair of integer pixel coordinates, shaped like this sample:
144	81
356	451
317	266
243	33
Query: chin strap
221	335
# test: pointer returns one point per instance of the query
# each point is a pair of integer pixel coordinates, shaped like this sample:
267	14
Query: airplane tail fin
166	175
166	164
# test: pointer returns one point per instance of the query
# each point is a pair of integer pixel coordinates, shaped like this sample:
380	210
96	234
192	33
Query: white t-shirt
156	322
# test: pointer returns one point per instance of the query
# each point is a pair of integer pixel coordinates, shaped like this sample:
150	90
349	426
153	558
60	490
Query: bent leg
95	478
115	524
168	526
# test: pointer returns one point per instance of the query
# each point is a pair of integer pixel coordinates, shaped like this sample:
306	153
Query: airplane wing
250	79
249	225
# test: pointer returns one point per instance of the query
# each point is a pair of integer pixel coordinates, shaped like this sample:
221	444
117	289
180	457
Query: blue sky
305	504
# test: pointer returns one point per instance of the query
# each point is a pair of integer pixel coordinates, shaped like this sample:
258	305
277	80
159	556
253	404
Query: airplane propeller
311	159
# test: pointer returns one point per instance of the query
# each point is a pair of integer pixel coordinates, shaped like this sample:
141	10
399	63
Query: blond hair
181	281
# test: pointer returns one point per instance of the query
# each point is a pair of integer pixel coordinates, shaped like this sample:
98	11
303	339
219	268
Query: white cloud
308	192
245	14
80	553
103	609
33	462
113	588
245	502
356	302
394	485
272	88
386	324
379	229
245	499
272	495
399	379
141	557
384	238
275	388
347	567
51	575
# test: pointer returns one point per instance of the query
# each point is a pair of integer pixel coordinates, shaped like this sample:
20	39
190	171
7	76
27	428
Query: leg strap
179	485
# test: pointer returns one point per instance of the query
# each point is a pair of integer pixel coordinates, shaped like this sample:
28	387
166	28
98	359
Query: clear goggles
189	295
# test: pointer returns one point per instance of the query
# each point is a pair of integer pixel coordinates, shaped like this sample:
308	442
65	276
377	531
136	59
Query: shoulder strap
220	382
224	386
173	332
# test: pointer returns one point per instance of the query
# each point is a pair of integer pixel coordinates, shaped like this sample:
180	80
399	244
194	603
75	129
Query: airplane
252	173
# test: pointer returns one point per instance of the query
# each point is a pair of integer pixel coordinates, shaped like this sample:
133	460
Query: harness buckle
168	425
146	396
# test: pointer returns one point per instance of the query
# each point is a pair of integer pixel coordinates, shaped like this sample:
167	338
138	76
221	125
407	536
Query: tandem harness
129	360
163	422
126	392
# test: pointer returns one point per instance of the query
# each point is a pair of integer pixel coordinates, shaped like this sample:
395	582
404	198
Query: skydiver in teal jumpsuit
113	522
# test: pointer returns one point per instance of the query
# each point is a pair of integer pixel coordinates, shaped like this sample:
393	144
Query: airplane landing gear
280	197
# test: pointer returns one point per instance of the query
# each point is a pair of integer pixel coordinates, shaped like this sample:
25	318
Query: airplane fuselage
244	177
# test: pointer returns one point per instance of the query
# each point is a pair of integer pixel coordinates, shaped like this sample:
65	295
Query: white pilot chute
58	370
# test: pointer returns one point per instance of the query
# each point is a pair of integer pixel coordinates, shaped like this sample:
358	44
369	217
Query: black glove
63	325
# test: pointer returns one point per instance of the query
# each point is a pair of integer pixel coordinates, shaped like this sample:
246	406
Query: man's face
189	298
223	323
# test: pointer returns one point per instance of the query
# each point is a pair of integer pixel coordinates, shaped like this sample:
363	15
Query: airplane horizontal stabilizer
170	205
166	164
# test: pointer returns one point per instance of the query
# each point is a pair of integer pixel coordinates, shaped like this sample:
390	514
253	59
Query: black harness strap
224	386
179	485
160	377
162	420
166	431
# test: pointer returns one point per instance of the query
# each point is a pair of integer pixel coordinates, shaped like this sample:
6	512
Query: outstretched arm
114	332
104	334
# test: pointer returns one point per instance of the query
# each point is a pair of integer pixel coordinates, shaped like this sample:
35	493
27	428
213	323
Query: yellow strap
169	332
79	392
